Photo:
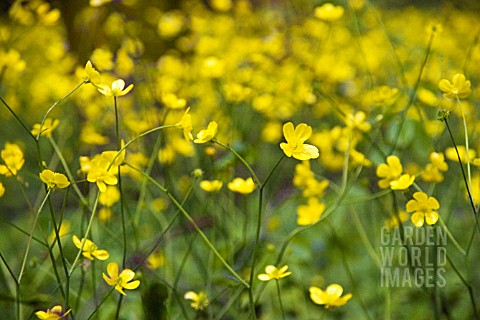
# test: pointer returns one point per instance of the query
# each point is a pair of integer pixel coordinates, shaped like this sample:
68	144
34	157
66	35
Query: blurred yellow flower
207	134
63	231
48	126
221	5
116	90
358	121
393	222
199	300
171	101
272	272
329	12
90	250
155	260
433	171
2	190
98	3
240	185
423	208
12	156
54	179
310	213
331	297
171	24
451	154
460	88
52	314
120	281
211	185
295	142
110	196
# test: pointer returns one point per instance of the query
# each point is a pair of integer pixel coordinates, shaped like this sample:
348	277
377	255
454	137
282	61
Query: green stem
450	236
54	105
466	284
465	132
414	92
239	157
22	269
135	139
280	299
67	171
18	119
87	232
98	307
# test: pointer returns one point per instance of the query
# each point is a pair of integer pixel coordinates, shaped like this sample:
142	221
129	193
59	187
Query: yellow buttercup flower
116	90
12	156
52	314
199	300
391	175
310	213
186	125
90	250
272	272
101	174
91	75
102	169
244	186
329	12
211	185
120	281
331	297
2	190
424	208
403	182
207	134
54	179
459	88
295	142
48	126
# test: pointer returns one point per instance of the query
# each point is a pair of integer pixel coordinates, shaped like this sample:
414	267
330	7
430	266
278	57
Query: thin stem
22	269
87	232
468	285
280	299
450	236
414	91
239	157
54	105
465	132
98	307
67	171
18	119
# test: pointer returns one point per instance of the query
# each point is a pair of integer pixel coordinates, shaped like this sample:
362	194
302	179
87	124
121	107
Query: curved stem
54	105
239	157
